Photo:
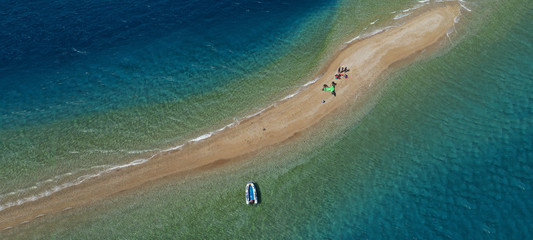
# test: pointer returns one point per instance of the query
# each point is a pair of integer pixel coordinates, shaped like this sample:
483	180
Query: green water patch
35	153
38	152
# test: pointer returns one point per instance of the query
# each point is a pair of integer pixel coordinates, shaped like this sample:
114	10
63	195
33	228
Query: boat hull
251	193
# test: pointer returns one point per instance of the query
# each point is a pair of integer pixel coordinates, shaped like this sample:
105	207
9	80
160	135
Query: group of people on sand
342	72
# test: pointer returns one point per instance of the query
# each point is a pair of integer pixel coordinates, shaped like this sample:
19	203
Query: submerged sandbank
367	59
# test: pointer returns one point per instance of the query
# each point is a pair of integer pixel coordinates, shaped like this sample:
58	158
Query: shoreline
270	126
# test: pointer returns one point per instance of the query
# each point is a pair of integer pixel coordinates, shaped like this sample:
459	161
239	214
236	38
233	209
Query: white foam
78	181
78	51
312	81
132	163
448	35
354	39
24	190
367	35
173	148
257	113
463	6
109	168
200	138
290	96
401	15
372	23
417	6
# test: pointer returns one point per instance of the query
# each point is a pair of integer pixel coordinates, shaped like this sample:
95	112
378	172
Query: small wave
257	113
105	151
370	34
372	23
463	6
401	15
173	148
132	163
200	138
110	168
67	208
312	81
290	96
78	51
417	6
78	181
37	185
140	151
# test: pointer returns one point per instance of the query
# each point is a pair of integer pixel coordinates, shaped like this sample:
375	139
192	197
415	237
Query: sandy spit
367	59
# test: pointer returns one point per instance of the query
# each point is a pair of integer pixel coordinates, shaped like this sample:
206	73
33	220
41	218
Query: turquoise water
445	152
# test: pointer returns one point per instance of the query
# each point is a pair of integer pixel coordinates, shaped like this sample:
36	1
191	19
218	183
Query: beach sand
367	60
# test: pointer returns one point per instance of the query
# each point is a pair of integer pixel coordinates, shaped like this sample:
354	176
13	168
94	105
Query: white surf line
290	95
67	208
455	21
401	15
78	181
173	148
24	190
367	35
448	35
84	178
197	139
59	177
463	6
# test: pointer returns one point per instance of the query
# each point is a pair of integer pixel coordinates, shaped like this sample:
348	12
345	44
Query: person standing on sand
331	89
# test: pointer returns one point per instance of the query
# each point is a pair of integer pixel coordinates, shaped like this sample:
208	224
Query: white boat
251	193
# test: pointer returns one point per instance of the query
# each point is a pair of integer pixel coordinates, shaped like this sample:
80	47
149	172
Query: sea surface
443	148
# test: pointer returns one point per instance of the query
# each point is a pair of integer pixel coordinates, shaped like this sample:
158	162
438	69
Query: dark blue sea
443	151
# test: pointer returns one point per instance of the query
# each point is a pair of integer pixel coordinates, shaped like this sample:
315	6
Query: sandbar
367	60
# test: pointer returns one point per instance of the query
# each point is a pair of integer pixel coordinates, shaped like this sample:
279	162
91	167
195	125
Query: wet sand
367	60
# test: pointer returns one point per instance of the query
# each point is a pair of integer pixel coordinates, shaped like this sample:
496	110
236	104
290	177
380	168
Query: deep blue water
40	34
65	58
88	83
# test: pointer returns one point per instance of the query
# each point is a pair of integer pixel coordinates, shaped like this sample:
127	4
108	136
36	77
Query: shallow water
445	152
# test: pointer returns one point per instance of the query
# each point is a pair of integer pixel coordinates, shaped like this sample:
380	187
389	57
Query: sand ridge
367	59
